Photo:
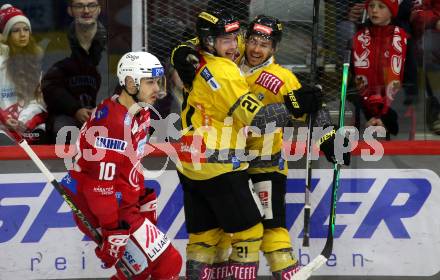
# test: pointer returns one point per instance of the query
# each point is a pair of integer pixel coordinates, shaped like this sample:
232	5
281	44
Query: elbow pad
275	113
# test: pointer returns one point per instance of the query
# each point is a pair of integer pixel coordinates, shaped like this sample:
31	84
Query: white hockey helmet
139	65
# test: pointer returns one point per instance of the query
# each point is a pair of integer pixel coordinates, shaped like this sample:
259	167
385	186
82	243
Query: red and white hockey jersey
379	57
107	168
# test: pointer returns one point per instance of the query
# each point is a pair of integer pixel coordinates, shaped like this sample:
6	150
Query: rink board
387	223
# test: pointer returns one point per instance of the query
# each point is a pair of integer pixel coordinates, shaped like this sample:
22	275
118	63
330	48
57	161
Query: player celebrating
217	197
107	183
269	82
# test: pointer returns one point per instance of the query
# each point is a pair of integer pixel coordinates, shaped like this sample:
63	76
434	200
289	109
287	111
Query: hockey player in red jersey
107	183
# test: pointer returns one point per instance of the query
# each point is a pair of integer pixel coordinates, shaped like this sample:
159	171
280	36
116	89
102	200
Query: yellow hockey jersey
268	82
214	114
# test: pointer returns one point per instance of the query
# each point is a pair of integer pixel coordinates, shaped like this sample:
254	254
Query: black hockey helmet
215	23
267	27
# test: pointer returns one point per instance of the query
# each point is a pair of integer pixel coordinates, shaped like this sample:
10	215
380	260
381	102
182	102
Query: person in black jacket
69	88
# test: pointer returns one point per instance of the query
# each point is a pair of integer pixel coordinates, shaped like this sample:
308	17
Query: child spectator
379	51
21	101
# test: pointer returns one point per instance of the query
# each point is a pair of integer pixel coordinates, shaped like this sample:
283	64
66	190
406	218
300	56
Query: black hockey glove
185	60
306	100
327	146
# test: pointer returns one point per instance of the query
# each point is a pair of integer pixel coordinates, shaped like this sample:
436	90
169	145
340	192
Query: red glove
113	246
148	205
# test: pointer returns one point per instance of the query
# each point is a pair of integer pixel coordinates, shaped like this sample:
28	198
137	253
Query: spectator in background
164	34
70	86
425	19
87	36
354	19
425	15
21	102
378	52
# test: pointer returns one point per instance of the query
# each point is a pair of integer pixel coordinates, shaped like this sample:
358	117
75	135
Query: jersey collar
250	70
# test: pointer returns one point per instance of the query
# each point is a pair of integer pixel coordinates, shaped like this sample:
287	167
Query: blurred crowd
395	58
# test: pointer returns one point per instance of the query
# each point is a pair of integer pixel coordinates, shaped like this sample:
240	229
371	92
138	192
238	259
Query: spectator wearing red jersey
379	51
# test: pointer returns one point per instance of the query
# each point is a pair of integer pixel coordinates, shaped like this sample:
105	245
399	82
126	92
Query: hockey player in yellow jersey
270	83
217	108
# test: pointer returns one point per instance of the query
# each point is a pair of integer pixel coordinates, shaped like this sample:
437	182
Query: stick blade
307	271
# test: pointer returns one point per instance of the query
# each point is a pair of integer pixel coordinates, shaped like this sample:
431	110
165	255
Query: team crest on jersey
260	96
101	113
113	144
270	82
133	177
206	74
127	119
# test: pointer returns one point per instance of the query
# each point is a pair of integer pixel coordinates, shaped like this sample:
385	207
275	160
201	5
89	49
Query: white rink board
388	218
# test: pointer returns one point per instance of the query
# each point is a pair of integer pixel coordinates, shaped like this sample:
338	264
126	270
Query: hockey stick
316	263
308	187
17	138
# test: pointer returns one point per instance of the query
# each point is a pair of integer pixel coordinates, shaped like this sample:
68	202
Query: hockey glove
185	60
148	205
304	101
327	146
113	245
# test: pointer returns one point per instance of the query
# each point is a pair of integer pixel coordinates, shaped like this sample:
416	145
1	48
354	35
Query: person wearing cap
378	58
21	101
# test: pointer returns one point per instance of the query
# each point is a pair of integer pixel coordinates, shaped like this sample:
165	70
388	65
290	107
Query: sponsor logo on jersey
101	113
110	144
104	190
157	72
235	162
206	74
270	82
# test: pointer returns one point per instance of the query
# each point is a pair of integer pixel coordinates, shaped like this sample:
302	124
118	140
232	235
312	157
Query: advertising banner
386	224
